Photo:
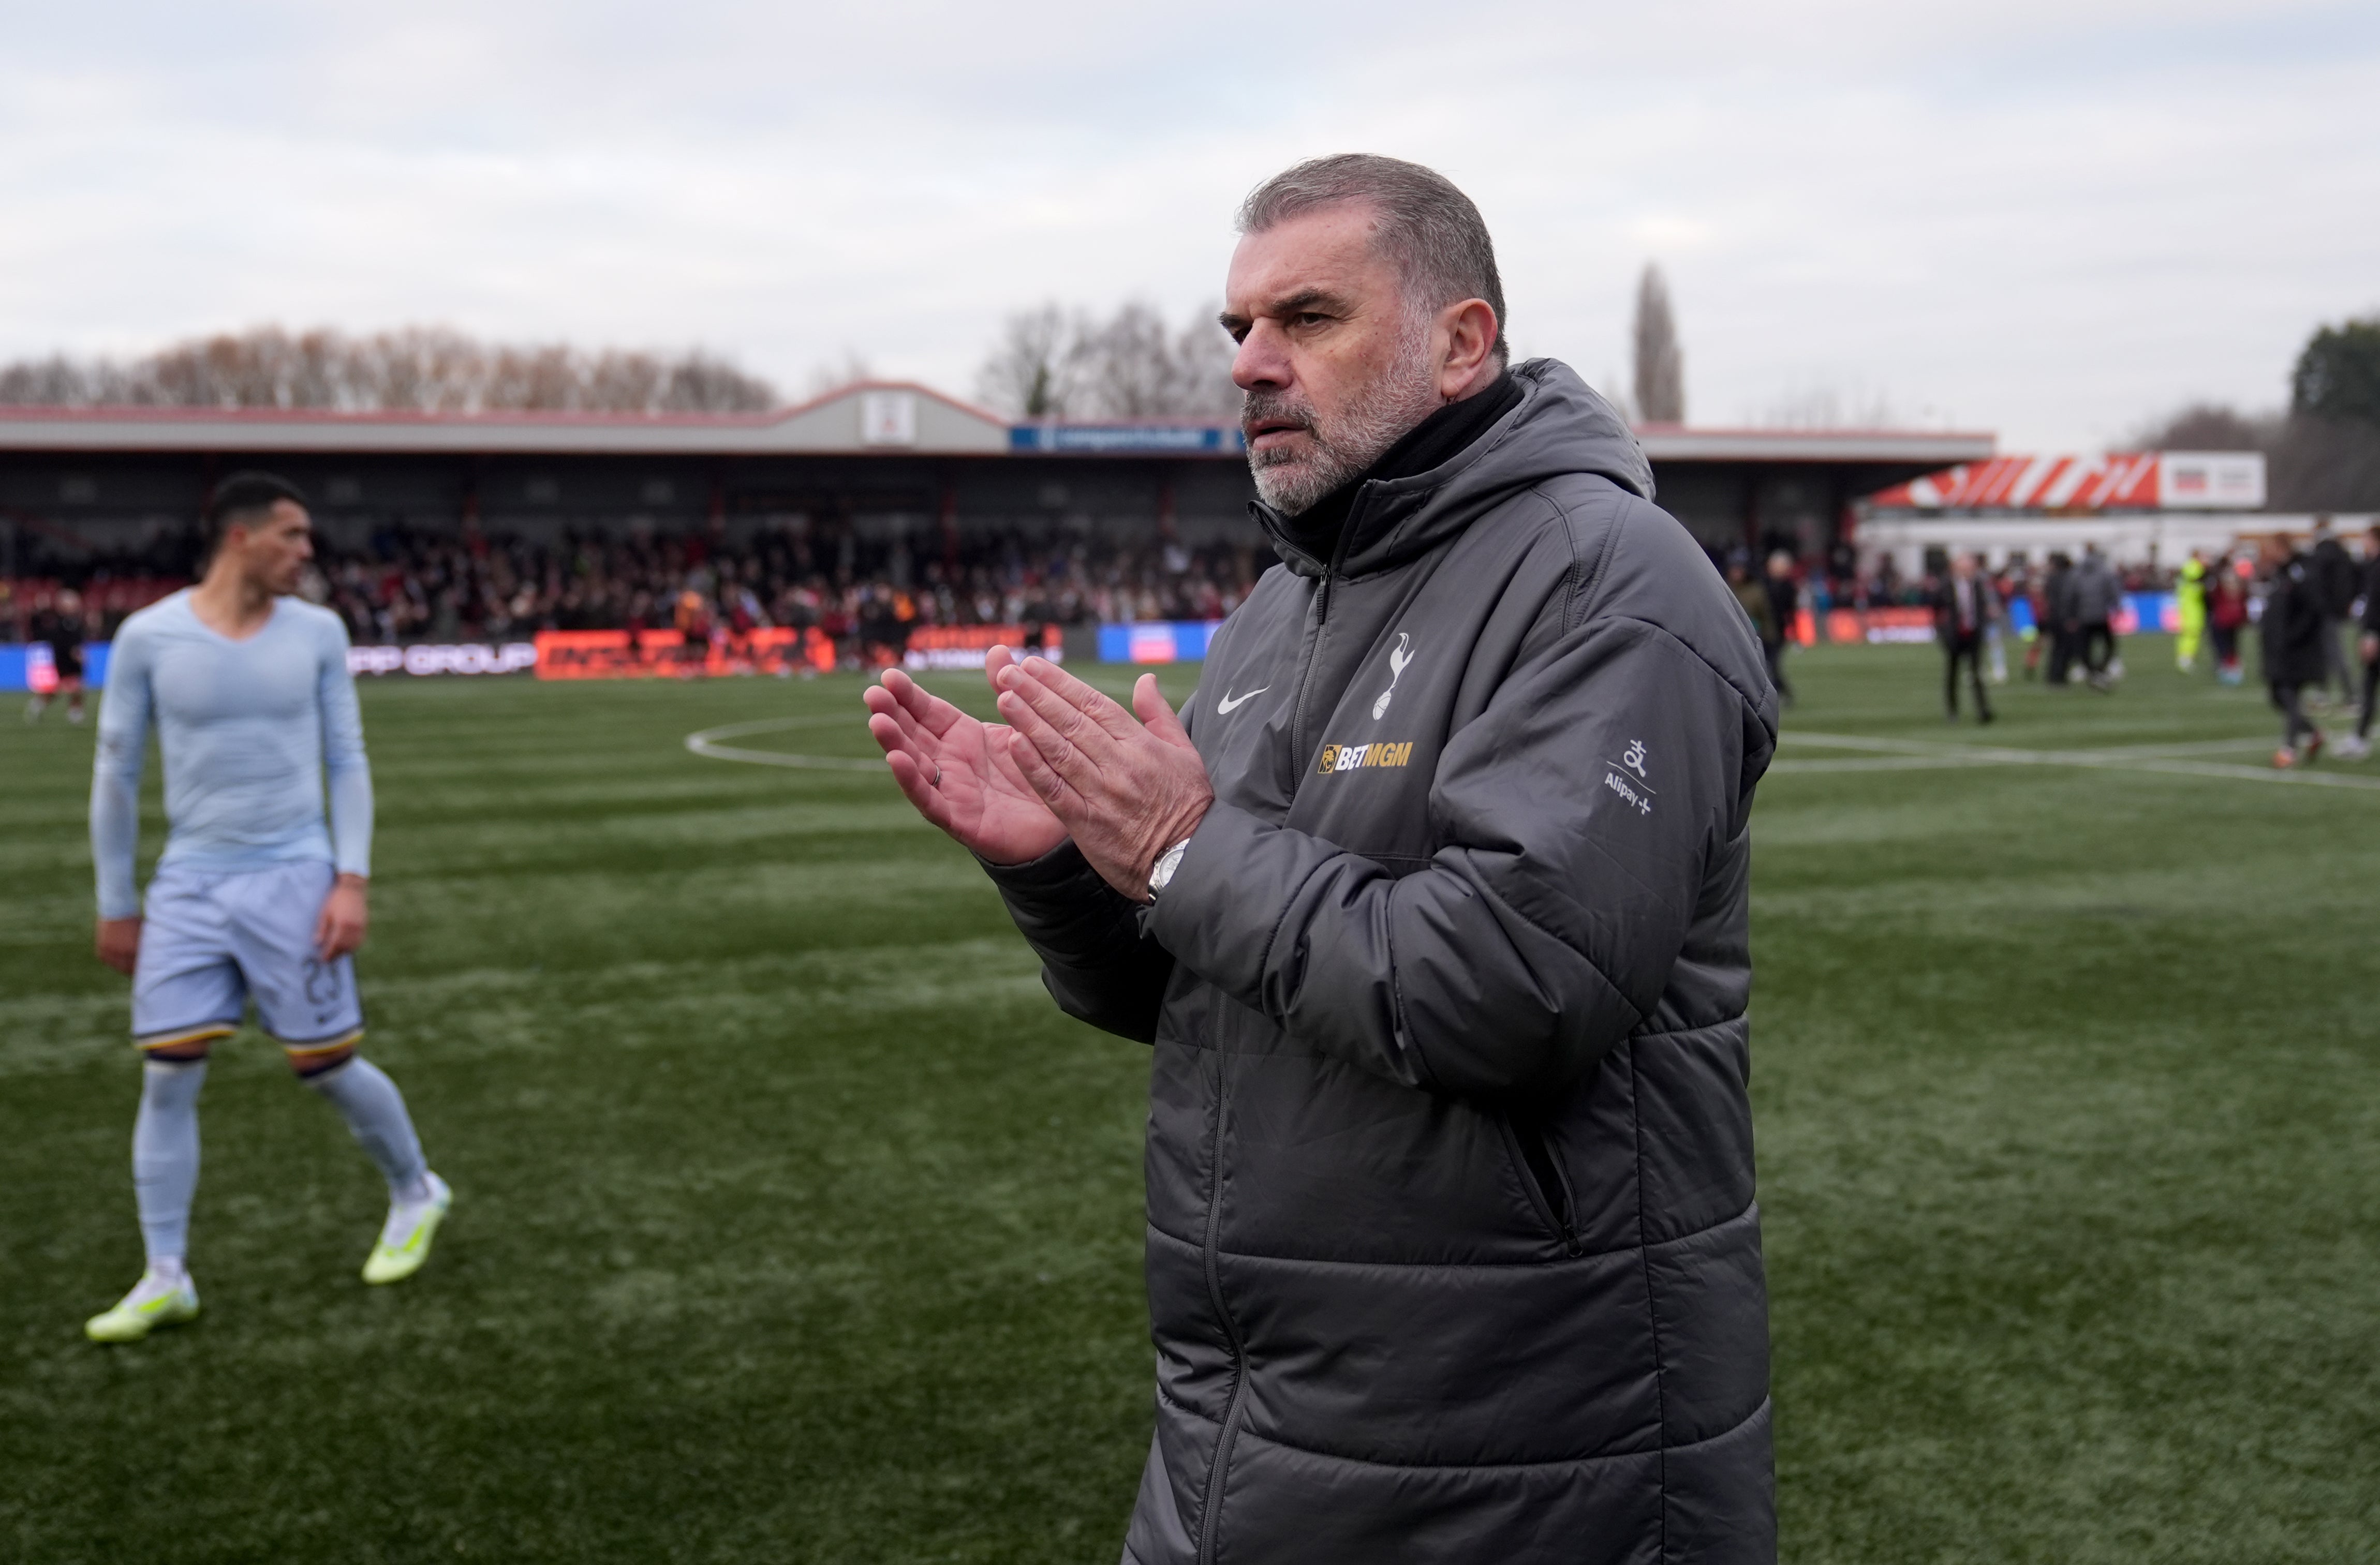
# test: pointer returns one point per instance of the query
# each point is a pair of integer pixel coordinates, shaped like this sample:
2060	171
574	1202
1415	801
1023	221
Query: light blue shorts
211	942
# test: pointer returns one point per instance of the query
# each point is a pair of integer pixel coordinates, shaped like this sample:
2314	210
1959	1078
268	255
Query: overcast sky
2050	220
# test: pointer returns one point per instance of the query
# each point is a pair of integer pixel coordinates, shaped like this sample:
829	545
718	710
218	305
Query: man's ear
1471	331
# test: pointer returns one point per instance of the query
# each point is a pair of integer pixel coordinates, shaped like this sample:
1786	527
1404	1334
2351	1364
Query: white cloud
2047	219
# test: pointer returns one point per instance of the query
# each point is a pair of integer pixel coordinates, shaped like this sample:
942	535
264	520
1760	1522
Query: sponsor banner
965	646
1878	626
624	654
2218	480
427	658
2147	610
1155	641
30	667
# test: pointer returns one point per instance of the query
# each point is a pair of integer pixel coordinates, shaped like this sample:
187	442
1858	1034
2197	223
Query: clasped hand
1069	762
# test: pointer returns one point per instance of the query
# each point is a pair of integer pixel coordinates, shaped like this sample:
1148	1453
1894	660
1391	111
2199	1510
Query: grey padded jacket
1451	1247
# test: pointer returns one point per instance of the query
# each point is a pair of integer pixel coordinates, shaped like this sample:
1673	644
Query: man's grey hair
1428	229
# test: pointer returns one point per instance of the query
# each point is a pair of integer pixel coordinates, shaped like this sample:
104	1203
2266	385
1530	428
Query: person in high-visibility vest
2189	589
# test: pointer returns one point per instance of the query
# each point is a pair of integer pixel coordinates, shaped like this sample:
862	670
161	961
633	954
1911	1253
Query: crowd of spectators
406	583
412	585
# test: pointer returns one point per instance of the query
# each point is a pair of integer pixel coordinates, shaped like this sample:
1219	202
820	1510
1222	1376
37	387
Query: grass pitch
793	1223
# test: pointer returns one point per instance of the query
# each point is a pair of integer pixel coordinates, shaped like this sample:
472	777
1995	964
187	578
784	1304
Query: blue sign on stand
1155	641
1100	440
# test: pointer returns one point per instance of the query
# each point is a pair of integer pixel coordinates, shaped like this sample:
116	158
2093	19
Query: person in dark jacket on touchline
2336	579
1784	611
2293	627
2358	745
1964	608
2094	595
2056	618
1433	903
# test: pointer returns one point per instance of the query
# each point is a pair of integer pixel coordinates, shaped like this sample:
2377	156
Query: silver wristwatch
1161	874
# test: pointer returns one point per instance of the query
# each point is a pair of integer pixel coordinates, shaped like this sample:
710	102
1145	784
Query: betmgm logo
1361	758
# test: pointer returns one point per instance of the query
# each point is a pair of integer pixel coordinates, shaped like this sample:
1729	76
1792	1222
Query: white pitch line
1924	754
705	743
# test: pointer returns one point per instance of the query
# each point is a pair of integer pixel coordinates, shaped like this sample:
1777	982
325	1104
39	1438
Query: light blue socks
165	1158
374	1110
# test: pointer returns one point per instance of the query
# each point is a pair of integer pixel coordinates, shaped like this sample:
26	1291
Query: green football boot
405	1239
151	1304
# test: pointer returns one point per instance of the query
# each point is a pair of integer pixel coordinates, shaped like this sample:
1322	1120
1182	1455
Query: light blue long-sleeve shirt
249	729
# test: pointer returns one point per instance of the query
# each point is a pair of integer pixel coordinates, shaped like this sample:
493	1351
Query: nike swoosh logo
1224	706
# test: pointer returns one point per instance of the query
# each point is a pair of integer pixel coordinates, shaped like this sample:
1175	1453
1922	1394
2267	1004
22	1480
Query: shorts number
321	981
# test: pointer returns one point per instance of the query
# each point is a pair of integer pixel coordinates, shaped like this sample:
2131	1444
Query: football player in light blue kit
256	898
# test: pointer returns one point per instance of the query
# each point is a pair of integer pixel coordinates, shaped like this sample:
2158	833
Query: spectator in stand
1964	608
1784	610
63	629
2336	580
2292	625
694	629
2367	647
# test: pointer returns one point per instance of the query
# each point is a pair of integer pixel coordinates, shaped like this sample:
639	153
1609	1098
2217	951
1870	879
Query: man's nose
1262	363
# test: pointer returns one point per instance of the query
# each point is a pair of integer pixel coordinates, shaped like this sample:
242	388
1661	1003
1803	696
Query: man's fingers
934	714
898	732
1080	727
1045	746
917	787
1092	702
1043	777
1156	715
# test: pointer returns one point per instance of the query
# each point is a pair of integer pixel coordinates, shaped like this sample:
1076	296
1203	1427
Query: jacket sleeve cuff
1219	913
1061	876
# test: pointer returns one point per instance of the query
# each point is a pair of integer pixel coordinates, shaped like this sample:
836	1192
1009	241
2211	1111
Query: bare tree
423	369
1202	369
1127	366
1660	363
1028	372
2208	426
1050	364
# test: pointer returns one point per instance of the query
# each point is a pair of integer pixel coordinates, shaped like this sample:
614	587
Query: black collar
1430	443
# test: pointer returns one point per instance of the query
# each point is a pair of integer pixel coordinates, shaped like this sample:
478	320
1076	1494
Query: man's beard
1376	417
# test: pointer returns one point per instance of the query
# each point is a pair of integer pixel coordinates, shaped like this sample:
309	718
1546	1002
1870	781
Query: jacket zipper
1297	738
1211	1513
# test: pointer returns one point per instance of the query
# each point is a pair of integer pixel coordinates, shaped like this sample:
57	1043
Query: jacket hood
1561	425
